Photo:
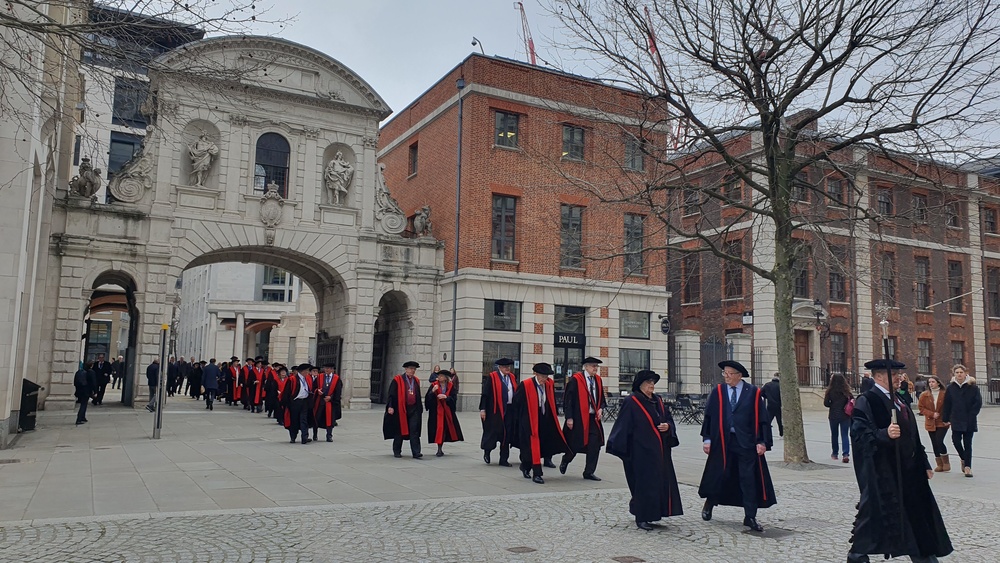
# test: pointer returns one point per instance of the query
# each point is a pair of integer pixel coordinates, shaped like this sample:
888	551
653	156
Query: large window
123	147
733	272
838	350
884	199
572	142
570	320
835	190
837	279
505	130
692	200
801	187
892	348
953	214
571	237
493	351
274	276
924	357
801	289
887	279
990	220
956	287
504	221
957	352
634	324
630	362
634	236
275	295
995	359
922	280
271	163
634	157
732	188
411	162
129	96
993	292
691	270
918	206
502	315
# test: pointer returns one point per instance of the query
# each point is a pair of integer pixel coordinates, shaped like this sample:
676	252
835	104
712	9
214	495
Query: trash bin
29	405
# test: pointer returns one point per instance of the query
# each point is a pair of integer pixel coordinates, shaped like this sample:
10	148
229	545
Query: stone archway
129	384
393	341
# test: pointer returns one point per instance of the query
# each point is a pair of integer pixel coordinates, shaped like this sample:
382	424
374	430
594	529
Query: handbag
849	407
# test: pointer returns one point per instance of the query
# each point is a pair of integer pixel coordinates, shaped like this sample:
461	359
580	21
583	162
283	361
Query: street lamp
822	326
460	84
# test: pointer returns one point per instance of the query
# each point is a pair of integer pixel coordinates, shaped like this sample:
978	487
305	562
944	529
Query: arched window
271	163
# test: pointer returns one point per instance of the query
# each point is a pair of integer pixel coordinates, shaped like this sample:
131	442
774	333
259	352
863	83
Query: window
732	188
838	350
922	277
993	292
838	289
123	147
835	188
956	286
892	348
128	99
634	156
76	150
800	187
572	142
888	280
634	324
919	205
692	200
801	289
274	276
633	244
505	132
493	351
630	362
884	196
957	352
924	359
274	295
733	272
411	163
271	163
990	220
691	270
995	359
504	219
571	234
953	214
502	315
570	320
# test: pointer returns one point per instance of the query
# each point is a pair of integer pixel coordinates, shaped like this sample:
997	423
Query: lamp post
822	325
460	84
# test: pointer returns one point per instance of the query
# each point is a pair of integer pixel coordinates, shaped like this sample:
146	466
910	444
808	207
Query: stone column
211	334
977	343
743	352
240	336
688	350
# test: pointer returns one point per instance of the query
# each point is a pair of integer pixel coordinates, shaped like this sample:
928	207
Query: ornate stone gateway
199	192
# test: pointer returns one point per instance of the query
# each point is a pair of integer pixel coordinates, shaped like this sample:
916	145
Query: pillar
211	334
688	349
240	335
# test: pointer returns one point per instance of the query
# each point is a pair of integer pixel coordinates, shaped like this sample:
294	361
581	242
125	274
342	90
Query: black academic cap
237	358
259	359
505	362
735	365
884	365
329	365
543	368
302	367
643	376
411	364
445	373
591	360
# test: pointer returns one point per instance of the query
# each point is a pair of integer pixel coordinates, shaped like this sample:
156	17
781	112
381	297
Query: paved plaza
227	486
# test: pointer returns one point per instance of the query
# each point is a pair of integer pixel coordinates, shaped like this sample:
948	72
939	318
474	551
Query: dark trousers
504	452
525	456
116	382
299	412
844	426
593	449
81	415
937	441
210	398
745	463
776	415
413	421
101	388
963	446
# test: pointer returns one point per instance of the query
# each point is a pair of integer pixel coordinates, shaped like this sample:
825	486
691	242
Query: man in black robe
534	423
772	395
735	434
582	404
403	408
494	404
894	517
295	401
642	437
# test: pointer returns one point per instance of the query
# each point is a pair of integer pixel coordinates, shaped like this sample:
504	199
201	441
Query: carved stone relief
271	211
387	211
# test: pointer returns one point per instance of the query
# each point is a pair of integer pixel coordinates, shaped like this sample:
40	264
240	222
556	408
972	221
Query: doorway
802	356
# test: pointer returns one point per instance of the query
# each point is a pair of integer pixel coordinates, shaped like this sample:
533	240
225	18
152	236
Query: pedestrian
271	393
315	378
117	372
583	400
233	389
402	412
255	385
279	384
838	396
102	370
643	437
962	403
905	387
772	397
184	370
735	435
534	428
441	402
194	379
494	404
210	375
866	381
85	386
890	522
295	401
244	383
930	404
152	379
329	393
173	375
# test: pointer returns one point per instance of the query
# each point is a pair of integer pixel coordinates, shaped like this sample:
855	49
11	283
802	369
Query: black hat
591	360
445	373
329	365
259	359
237	358
735	365
249	359
411	364
543	369
884	365
505	362
302	367
643	376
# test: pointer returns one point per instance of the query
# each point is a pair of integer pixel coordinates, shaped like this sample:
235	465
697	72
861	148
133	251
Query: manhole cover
521	549
627	559
242	440
2	461
771	533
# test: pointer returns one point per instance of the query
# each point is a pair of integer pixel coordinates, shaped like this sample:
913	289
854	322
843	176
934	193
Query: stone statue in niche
338	175
422	221
203	153
87	181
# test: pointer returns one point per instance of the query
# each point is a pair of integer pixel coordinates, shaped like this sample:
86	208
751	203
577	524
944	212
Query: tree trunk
791	401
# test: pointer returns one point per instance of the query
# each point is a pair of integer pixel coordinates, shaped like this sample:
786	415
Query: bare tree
777	97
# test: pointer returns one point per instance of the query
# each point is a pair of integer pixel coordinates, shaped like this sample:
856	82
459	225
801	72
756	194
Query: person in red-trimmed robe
245	383
233	390
329	391
280	380
494	403
272	390
442	424
402	411
582	404
255	385
535	427
295	402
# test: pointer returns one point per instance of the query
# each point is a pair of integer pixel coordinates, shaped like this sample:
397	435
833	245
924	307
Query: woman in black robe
441	404
642	437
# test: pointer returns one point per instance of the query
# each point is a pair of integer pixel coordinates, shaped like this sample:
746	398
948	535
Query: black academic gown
519	430
645	452
720	482
391	424
442	424
491	401
578	438
880	527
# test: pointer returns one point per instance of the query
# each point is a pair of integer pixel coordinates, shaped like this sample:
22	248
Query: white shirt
505	380
541	395
303	387
591	390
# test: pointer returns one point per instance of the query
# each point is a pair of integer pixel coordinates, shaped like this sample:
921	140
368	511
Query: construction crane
529	43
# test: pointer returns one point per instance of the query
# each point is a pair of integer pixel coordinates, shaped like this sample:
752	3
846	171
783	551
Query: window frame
956	286
633	259
993	292
888	264
571	236
800	284
488	317
503	238
884	199
269	172
922	282
989	220
573	148
135	92
502	129
925	361
958	345
918	204
732	188
412	159
838	355
121	138
953	214
838	199
801	186
732	272
627	368
635	157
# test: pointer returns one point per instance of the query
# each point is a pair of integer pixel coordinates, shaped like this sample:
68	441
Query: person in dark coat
102	369
583	400
210	376
403	408
441	403
889	521
736	433
772	396
296	399
534	423
962	403
838	395
117	372
866	381
85	387
643	435
194	379
152	379
278	384
329	392
494	404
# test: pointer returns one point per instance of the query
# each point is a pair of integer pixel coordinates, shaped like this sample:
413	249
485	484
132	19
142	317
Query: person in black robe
295	401
329	393
441	403
583	400
403	408
494	404
735	434
534	423
895	517
642	437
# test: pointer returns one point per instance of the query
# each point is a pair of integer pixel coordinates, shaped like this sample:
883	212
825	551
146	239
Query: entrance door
379	345
567	361
802	356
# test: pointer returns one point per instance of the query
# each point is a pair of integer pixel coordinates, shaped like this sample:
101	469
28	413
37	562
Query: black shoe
85	420
526	473
644	526
80	421
329	438
548	463
207	407
211	407
306	441
397	454
858	558
486	457
562	468
439	453
293	441
591	477
538	479
706	511
418	456
753	525
505	463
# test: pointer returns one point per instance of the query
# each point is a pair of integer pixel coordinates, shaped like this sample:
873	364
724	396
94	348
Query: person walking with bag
930	405
838	397
962	402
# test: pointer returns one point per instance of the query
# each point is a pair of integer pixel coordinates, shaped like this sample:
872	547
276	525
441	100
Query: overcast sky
402	47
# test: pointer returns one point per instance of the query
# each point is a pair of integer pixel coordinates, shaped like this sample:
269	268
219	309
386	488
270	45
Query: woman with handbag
930	404
838	397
